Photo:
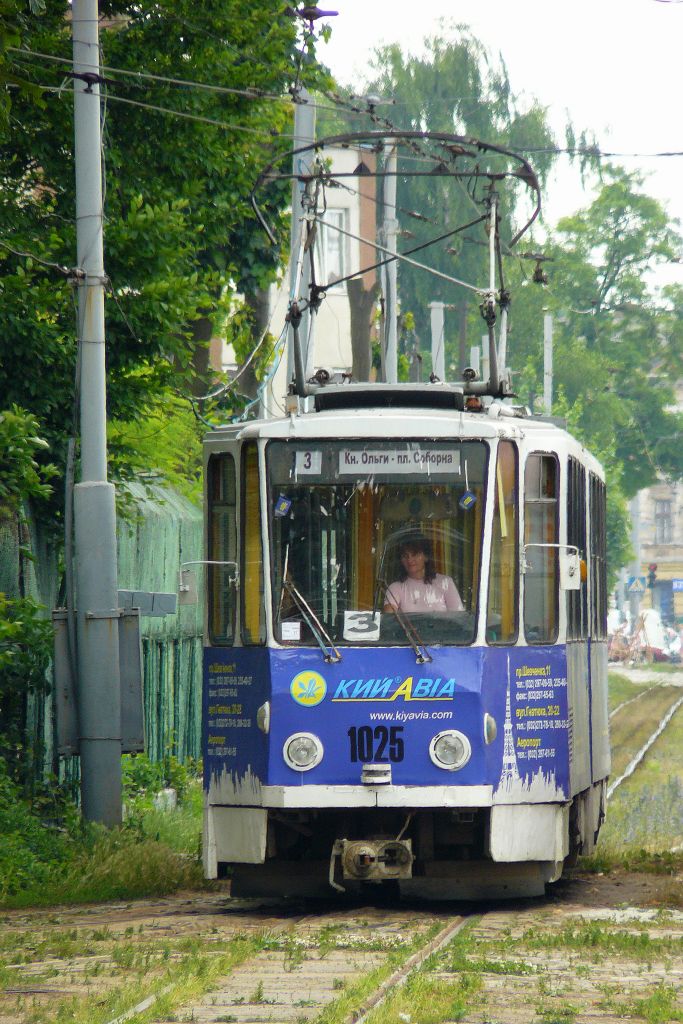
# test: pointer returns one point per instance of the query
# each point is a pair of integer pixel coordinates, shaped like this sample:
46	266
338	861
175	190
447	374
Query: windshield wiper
414	639
316	627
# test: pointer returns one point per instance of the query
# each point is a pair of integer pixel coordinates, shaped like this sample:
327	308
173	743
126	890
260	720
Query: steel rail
625	703
403	973
635	761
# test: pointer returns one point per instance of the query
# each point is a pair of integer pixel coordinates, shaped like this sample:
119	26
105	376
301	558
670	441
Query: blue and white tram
461	753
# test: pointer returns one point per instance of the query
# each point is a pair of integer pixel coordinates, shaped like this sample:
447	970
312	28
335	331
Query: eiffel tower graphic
509	772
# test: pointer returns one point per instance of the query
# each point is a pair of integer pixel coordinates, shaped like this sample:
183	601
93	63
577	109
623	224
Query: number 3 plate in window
361	626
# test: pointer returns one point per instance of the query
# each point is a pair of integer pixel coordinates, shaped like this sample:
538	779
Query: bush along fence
160	530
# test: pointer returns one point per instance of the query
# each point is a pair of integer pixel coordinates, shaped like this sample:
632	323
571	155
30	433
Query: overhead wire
251	92
271	135
255	93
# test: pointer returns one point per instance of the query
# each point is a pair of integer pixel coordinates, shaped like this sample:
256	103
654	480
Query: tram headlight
490	728
302	751
450	750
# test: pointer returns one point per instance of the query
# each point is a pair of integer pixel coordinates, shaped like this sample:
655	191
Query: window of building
663	522
541	480
332	250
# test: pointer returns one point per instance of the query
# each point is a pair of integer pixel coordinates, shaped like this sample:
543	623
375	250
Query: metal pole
485	352
492	373
391	297
436	310
304	135
548	364
503	343
634	597
97	626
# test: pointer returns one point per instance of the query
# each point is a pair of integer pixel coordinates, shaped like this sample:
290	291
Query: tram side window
253	609
598	559
541	478
501	619
577	608
222	547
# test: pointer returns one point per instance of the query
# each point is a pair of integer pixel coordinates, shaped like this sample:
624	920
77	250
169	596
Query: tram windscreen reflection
359	529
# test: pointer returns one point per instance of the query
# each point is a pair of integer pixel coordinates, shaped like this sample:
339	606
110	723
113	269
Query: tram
459	752
405	671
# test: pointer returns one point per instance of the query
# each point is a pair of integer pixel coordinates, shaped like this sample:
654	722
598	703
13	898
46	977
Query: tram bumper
372	860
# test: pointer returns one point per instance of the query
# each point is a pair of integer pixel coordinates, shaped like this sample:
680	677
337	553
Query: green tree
25	635
177	217
618	346
455	86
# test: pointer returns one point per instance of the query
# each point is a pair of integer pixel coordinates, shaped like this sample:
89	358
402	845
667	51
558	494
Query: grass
644	825
594	938
48	855
630	729
174	980
622	689
659	1006
426	999
355	993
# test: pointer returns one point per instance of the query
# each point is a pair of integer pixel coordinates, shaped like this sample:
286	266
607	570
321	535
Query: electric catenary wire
250	93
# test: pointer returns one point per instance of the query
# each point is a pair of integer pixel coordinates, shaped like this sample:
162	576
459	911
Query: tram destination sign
398	460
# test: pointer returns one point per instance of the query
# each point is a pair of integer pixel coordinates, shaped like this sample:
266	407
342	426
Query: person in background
420	588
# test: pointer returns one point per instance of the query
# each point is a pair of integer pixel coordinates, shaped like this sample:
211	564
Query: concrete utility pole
391	296
99	688
299	270
548	364
437	321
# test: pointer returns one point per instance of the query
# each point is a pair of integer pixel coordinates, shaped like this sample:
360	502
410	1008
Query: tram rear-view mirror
187	587
570	570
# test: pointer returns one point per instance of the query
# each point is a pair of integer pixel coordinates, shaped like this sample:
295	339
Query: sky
614	65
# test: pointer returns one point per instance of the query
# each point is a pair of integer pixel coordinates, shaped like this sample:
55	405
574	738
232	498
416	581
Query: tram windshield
376	541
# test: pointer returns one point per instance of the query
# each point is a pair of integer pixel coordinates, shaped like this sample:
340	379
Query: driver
420	588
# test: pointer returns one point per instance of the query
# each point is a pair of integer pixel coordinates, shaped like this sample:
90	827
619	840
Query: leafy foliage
48	854
618	350
29	852
167	442
21	476
179	236
455	86
26	640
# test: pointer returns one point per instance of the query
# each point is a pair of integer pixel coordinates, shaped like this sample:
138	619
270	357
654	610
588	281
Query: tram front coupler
371	860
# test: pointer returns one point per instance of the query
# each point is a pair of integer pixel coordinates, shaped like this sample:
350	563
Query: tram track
632	733
639	756
632	700
347	964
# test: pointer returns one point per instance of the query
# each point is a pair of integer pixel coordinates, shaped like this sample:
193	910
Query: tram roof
385	411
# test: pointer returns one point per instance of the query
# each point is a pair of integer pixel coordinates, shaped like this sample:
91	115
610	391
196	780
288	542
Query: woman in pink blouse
420	588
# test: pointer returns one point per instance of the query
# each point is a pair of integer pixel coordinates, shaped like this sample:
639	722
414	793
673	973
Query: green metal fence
161	530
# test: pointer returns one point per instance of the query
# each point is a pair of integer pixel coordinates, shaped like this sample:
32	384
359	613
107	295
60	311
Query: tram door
578	630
